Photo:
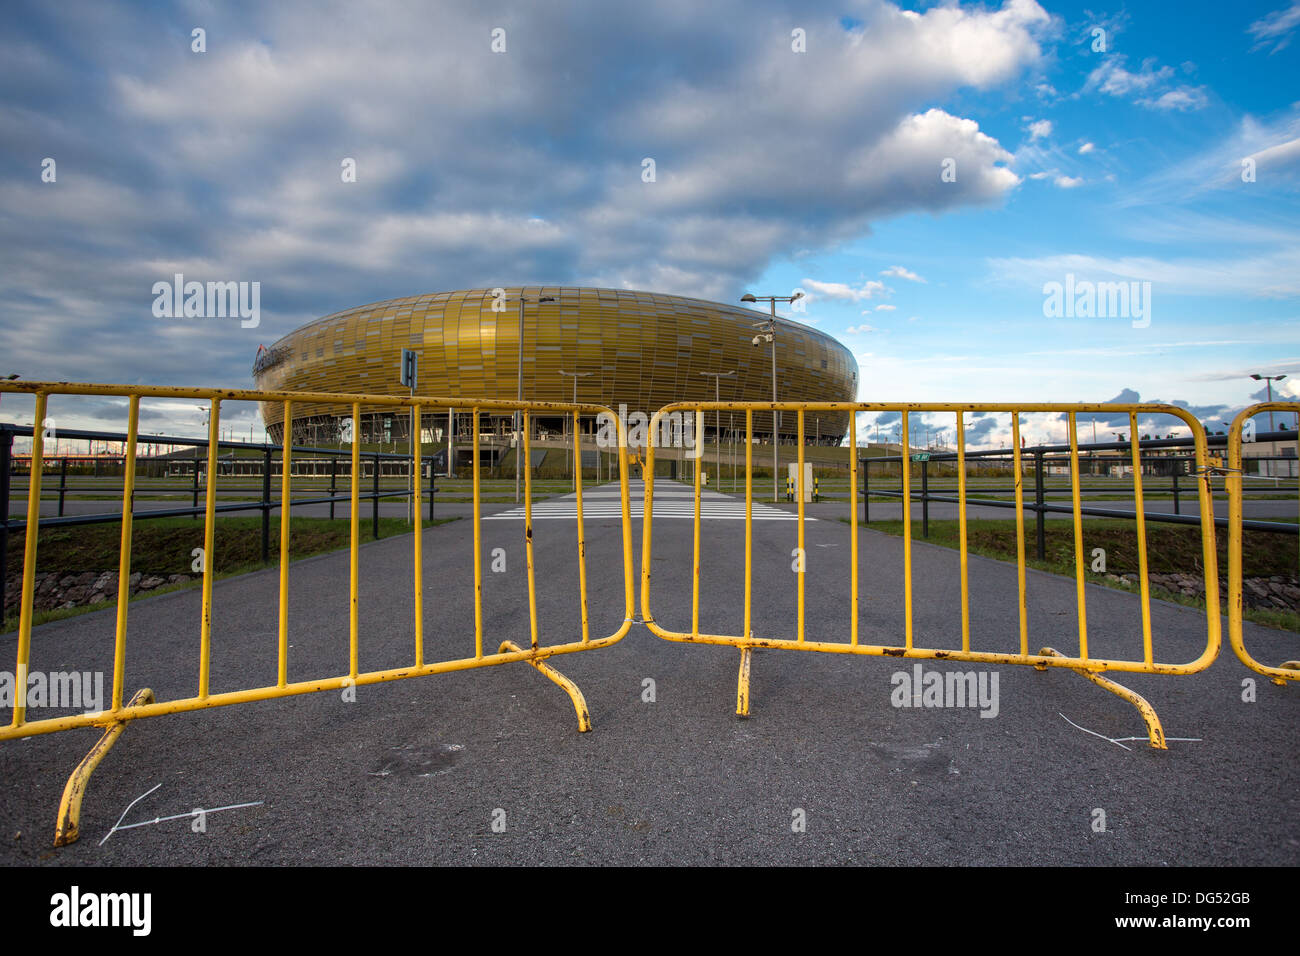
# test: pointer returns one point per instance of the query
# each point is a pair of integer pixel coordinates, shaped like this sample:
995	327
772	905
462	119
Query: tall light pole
717	412
519	393
1268	381
575	376
767	330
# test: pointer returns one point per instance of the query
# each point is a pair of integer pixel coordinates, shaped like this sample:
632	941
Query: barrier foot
1155	732
570	688
1287	666
742	684
65	831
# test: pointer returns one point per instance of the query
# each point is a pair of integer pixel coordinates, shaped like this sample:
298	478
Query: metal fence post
375	502
431	488
1038	505
925	499
6	460
63	482
334	474
266	505
866	492
1178	466
195	503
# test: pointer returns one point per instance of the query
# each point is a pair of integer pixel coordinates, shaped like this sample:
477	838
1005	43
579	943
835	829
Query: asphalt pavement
486	765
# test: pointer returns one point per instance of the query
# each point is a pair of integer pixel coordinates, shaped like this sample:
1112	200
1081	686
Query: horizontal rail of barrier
1287	670
1081	661
144	705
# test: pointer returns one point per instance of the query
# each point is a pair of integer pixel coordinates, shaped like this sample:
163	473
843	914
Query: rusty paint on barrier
1083	662
1287	670
144	705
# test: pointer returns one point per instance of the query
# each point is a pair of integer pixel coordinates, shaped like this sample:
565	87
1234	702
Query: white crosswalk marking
671	501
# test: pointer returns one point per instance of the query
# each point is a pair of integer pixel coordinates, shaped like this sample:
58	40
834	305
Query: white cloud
1039	129
1268	275
1041	174
1275	28
1068	182
842	291
1182	99
861	329
901	273
884	308
1153	86
1086	148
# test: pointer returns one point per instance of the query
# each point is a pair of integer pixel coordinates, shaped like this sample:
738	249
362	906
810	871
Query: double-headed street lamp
575	376
519	393
767	330
1268	381
717	421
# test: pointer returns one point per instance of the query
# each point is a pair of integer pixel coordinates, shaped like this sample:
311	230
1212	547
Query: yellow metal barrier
1081	662
1287	670
114	720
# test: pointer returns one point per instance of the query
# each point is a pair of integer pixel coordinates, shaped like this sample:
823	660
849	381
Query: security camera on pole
767	331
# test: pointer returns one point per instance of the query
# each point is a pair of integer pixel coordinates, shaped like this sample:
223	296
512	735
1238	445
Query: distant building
643	350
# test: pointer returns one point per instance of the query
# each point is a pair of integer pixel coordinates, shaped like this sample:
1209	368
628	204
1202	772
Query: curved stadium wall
643	350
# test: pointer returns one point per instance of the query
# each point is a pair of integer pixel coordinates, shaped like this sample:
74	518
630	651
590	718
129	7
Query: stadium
642	350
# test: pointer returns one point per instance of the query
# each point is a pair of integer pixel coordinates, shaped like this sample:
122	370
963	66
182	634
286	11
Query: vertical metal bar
29	560
334	473
124	551
1078	538
478	541
866	490
582	541
195	503
355	519
266	505
432	488
528	530
695	551
209	536
1178	465
749	522
419	540
961	530
925	499
853	527
374	503
1020	530
1139	510
803	555
1038	502
63	483
286	468
6	465
905	467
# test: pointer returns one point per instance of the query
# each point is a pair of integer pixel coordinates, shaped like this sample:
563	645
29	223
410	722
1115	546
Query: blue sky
776	168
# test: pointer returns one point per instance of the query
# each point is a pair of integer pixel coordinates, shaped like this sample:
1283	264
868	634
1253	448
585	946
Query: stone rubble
57	589
1270	594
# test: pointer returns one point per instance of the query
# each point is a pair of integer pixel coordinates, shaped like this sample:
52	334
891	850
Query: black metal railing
1041	458
262	466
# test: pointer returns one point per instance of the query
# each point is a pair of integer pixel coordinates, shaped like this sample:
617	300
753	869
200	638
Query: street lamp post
575	376
767	330
519	393
717	420
1268	381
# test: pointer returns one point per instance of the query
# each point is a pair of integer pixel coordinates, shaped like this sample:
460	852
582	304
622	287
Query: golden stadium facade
640	349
